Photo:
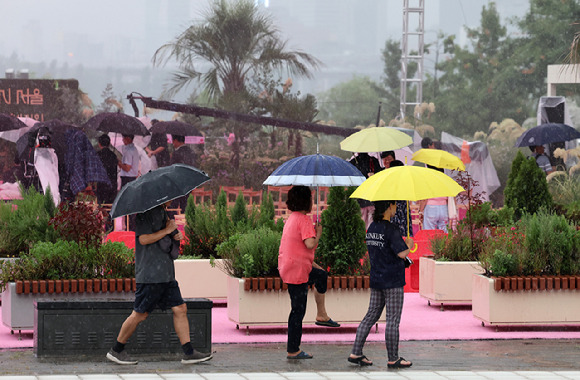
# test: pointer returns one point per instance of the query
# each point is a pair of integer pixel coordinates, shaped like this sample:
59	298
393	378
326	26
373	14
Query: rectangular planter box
82	327
447	282
272	307
197	278
18	309
523	307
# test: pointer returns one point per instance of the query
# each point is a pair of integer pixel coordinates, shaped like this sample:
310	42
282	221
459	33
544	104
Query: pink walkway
419	322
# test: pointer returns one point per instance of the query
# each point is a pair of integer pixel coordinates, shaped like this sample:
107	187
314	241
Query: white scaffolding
412	13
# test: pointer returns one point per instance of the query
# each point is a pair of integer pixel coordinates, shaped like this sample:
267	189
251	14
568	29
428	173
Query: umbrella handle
414	249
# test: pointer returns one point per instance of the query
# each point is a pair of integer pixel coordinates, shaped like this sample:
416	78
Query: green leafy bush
540	244
251	254
69	260
342	244
208	226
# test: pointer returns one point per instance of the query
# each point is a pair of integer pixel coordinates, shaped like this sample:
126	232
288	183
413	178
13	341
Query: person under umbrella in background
106	192
368	166
387	252
158	148
182	154
156	285
387	157
542	159
129	168
298	269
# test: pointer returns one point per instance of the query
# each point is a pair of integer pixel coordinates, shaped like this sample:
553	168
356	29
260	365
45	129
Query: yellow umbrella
438	158
376	139
407	183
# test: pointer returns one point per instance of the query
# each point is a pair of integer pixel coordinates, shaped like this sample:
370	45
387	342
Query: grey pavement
473	360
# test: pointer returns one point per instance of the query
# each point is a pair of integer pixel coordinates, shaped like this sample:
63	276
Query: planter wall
18	298
447	282
524	307
197	278
272	307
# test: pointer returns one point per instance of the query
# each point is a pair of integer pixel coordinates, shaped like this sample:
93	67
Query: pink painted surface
419	322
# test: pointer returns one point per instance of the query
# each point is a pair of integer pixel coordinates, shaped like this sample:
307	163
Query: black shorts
319	278
165	295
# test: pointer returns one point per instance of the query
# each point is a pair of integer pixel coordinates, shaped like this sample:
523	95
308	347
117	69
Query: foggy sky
126	33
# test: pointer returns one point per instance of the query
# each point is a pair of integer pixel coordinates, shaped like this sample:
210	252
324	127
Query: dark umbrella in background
55	129
116	122
175	127
12	128
547	134
9	123
157	187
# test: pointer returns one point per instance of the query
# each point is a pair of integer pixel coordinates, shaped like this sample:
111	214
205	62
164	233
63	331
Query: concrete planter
198	279
523	307
446	282
272	307
18	299
2	259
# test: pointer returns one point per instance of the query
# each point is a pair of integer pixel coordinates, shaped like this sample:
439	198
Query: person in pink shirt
298	269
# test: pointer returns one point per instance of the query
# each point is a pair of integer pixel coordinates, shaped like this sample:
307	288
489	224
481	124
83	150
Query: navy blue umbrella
546	134
316	170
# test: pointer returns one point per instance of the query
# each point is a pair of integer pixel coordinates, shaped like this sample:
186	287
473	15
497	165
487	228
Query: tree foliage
527	189
342	244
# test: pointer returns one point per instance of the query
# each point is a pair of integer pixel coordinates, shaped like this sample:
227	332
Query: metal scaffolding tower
414	14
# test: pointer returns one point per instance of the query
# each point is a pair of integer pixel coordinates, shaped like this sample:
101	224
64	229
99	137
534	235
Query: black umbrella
547	134
52	134
175	128
157	187
9	122
116	122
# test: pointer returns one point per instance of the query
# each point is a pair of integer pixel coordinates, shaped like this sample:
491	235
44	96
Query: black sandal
399	364
360	361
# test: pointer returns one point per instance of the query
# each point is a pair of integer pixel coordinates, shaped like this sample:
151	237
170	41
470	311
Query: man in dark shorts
156	286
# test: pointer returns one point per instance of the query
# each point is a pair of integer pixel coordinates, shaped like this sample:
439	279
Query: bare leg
130	325
321	314
181	323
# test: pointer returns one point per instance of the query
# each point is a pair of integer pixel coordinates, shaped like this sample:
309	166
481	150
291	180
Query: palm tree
237	41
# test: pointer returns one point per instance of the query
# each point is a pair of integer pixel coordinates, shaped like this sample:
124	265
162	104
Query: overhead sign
34	98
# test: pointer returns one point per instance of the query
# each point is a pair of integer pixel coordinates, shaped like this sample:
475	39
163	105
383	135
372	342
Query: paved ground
501	359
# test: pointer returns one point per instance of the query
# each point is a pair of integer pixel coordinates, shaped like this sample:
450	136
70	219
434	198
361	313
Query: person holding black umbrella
156	284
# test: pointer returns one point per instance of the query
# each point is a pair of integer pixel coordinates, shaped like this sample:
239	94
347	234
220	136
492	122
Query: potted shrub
532	274
77	263
446	277
263	300
198	269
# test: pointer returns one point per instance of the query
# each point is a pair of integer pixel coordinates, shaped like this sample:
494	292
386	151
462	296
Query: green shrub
251	254
527	189
502	264
207	226
26	223
240	211
69	260
342	244
540	244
